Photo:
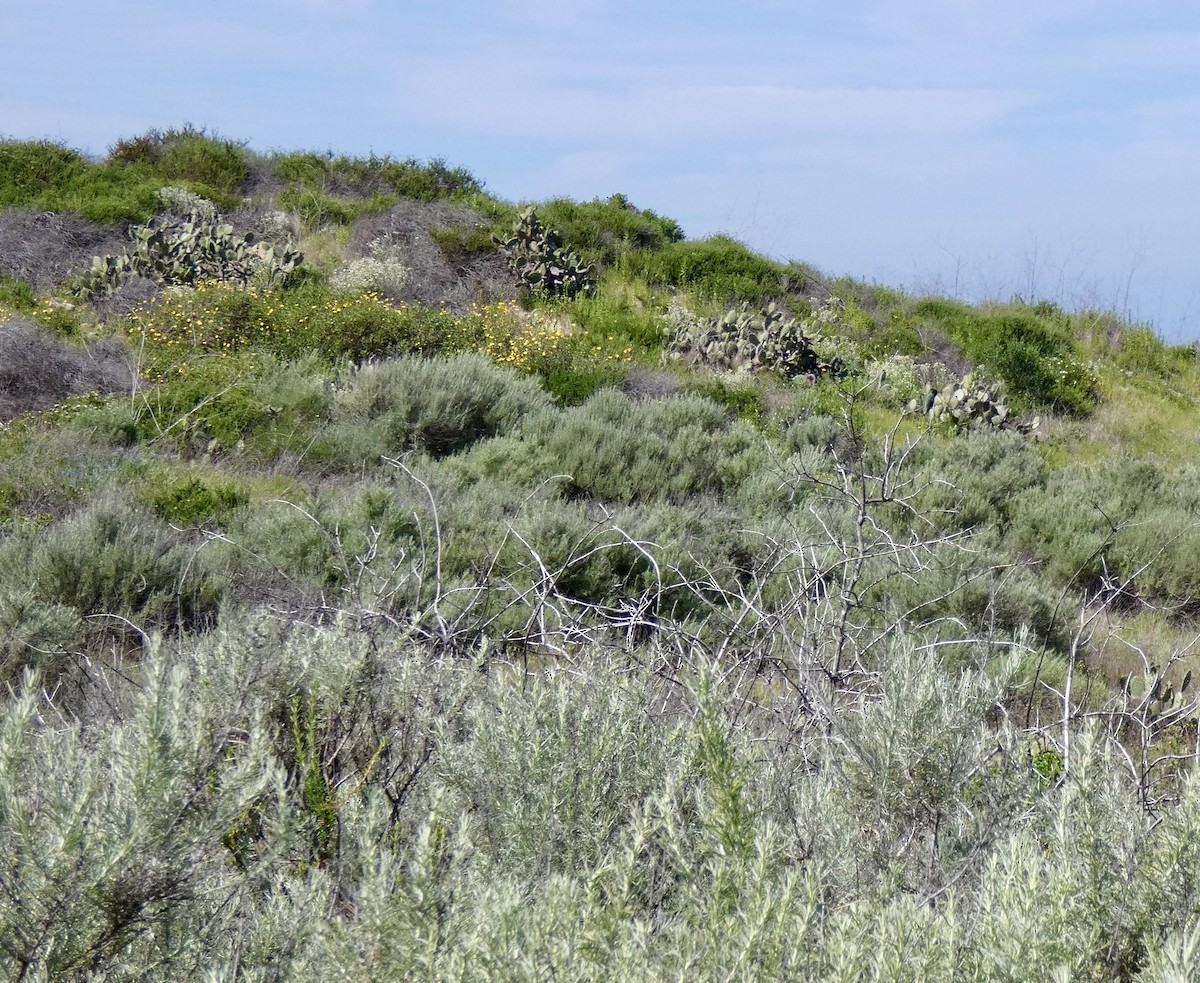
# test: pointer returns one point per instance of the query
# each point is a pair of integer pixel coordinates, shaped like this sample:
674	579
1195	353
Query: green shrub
1141	350
46	470
429	181
111	560
1034	356
285	537
186	330
975	593
361	178
618	451
298	394
605	230
53	178
63	321
719	268
111	422
898	337
31	171
316	208
612	317
577	379
17	295
110	193
190	155
185	500
215	319
744	399
459	242
207	401
1160	548
187	154
437	405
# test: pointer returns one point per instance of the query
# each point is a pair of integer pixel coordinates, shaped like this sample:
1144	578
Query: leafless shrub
648	384
435	279
264	222
137	291
45	248
38	370
260	182
942	350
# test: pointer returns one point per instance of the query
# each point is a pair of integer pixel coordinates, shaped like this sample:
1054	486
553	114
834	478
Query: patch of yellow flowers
220	320
510	336
527	340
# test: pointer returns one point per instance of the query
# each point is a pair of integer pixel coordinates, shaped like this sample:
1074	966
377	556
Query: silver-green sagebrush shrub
280	802
588	760
35	633
616	450
110	560
1061	891
439	405
112	863
910	767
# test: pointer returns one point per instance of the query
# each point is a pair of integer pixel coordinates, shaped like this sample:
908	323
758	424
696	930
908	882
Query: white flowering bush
897	379
680	320
181	202
382	271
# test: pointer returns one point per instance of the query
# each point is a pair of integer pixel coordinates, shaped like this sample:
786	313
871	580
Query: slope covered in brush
396	576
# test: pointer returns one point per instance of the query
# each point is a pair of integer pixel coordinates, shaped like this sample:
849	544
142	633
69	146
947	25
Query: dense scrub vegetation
400	583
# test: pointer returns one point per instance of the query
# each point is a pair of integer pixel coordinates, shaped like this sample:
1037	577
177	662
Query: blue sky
1046	148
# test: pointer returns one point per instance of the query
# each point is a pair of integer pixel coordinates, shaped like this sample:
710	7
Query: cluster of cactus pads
973	402
767	340
187	249
1155	694
537	255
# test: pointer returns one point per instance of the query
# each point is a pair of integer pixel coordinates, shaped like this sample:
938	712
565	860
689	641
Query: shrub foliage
404	625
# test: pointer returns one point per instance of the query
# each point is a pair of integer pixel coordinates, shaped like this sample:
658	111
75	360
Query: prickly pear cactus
973	402
1153	692
768	340
537	255
184	250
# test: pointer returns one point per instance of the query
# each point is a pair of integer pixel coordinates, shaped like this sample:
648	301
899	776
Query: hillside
398	582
